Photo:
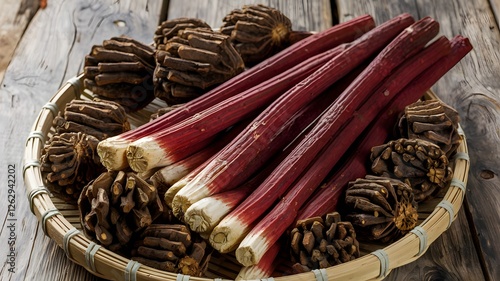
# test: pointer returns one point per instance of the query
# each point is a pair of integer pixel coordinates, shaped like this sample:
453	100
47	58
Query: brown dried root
433	121
381	208
257	32
116	206
121	70
321	242
419	163
70	161
99	118
172	247
192	62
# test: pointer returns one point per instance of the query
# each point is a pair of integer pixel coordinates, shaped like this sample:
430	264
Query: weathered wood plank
495	8
473	88
455	19
299	12
51	51
14	17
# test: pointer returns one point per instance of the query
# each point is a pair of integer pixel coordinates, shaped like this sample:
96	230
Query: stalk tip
111	152
145	154
245	256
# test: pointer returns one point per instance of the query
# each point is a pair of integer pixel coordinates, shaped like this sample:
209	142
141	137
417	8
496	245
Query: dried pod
98	118
433	121
69	161
419	163
321	242
121	70
169	28
116	206
192	62
381	208
173	248
257	32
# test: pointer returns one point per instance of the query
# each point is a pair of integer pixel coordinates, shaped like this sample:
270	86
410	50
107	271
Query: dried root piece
173	248
121	70
98	118
258	31
193	61
419	163
69	161
169	29
116	206
381	208
433	121
321	242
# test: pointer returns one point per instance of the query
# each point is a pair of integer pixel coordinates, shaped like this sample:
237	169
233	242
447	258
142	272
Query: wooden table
41	48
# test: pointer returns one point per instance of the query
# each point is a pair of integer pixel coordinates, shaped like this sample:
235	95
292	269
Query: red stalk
290	130
234	159
286	59
237	224
178	141
275	223
326	199
112	151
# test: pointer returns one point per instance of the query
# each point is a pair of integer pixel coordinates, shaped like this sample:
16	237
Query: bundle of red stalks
304	118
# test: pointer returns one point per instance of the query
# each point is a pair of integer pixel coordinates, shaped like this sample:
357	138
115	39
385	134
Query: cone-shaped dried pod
121	70
433	121
69	161
169	28
116	206
321	242
419	163
257	31
173	248
381	208
98	118
192	62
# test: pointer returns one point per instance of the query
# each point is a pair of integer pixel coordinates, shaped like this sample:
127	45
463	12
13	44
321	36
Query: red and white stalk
274	224
293	127
325	200
205	214
178	141
235	158
263	269
112	151
169	175
233	228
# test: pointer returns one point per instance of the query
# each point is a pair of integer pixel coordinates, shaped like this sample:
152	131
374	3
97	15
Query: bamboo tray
60	221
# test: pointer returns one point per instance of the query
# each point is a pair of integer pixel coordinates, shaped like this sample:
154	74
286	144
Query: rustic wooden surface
43	48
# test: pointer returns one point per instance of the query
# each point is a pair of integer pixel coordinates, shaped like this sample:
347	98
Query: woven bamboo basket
61	223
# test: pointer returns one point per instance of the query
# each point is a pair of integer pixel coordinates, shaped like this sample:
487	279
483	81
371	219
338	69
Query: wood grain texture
457	88
299	12
495	8
51	51
473	88
14	18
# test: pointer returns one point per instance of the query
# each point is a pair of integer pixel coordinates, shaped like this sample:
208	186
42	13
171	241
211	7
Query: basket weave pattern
60	221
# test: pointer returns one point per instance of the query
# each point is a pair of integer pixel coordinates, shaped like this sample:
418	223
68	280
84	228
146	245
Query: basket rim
106	264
